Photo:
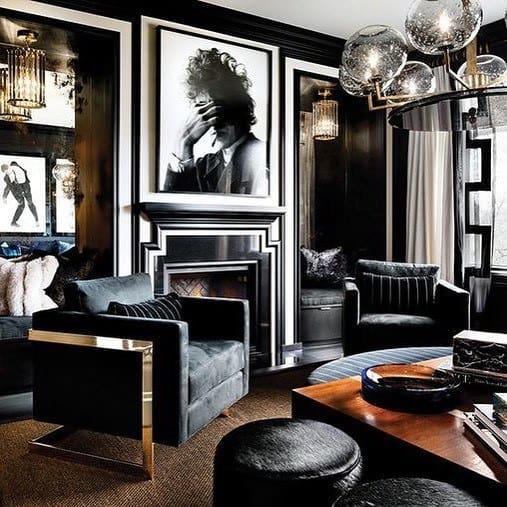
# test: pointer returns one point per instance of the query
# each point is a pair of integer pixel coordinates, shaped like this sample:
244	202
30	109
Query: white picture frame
152	163
23	194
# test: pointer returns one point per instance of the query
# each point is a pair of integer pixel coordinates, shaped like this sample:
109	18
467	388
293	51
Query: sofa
16	361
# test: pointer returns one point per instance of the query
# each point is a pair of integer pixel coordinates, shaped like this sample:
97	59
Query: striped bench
353	365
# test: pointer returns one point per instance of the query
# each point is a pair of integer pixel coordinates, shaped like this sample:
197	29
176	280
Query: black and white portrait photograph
23	189
214	116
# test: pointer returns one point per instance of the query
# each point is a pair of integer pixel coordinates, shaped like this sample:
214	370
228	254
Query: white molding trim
123	199
148	122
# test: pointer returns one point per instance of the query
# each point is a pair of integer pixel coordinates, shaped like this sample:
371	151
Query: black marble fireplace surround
230	253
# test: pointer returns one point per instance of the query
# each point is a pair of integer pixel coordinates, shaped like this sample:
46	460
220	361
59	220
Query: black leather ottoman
407	491
277	462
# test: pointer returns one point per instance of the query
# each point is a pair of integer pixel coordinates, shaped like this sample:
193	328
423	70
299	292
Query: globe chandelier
375	61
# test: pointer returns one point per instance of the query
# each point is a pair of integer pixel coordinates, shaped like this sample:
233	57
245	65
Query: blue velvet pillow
10	250
166	307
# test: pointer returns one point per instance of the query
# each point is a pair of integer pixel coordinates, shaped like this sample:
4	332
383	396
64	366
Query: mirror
58	167
321	203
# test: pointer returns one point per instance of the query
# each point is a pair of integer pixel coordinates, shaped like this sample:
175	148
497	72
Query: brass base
45	445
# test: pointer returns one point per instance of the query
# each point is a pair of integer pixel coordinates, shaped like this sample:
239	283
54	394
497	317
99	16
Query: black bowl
410	388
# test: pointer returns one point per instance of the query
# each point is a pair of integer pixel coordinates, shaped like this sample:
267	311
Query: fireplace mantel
167	213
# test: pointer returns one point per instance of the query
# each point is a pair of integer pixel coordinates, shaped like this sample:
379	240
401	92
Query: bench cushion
353	365
321	297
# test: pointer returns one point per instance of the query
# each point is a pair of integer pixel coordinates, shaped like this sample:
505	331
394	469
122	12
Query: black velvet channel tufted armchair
200	364
391	304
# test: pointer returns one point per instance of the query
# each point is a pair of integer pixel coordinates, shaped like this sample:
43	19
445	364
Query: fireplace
228	279
210	279
221	252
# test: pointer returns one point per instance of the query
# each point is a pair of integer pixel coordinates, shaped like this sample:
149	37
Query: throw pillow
73	265
26	283
166	307
9	250
396	294
323	269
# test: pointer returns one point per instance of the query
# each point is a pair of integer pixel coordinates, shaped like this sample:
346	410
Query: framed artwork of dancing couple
23	194
217	127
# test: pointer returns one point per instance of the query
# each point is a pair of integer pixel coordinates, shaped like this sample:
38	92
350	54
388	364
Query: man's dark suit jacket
249	164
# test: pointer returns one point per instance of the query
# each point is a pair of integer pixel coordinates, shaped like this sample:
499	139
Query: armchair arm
453	306
351	314
217	318
170	359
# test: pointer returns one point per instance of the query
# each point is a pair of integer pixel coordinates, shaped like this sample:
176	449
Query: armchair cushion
387	330
397	294
210	362
166	307
94	296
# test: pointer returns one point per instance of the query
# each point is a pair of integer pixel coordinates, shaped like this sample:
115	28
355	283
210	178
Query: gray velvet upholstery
200	364
277	462
94	296
410	491
431	325
210	362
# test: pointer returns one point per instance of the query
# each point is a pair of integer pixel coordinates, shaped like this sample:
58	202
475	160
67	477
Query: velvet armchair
391	304
200	363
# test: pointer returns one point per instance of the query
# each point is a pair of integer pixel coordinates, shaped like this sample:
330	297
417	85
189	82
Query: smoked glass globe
416	78
351	86
491	71
375	53
434	26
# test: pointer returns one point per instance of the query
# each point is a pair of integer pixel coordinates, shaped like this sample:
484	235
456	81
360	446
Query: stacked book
486	423
480	358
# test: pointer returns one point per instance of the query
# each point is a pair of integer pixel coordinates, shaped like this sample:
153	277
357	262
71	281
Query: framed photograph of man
217	124
23	194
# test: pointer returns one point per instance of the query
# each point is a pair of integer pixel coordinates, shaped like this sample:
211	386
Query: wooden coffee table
431	445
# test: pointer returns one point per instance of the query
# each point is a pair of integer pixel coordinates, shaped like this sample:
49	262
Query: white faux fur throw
5	271
25	284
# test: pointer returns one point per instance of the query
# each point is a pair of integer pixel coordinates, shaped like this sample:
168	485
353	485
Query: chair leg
226	412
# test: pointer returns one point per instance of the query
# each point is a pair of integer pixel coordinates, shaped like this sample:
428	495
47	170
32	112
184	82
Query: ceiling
341	18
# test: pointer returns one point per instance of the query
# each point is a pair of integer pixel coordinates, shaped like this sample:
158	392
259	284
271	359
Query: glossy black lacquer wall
361	227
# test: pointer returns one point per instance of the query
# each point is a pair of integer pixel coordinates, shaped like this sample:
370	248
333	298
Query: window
499	176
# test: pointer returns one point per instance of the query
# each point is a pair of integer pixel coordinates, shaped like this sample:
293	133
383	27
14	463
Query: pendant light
8	112
325	117
26	68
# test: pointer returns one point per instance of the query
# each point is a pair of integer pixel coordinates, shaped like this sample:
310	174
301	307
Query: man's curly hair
209	70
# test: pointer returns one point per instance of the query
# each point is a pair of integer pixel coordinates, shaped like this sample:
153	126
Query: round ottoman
349	366
407	491
277	462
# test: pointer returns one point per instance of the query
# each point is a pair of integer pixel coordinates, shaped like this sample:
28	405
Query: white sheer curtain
430	197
